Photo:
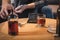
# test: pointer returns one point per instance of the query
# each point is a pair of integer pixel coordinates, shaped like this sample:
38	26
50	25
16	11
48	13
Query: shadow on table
56	38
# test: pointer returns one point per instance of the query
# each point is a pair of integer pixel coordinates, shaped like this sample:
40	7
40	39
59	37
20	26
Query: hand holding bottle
5	11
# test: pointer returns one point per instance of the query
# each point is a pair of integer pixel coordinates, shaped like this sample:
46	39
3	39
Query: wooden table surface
28	31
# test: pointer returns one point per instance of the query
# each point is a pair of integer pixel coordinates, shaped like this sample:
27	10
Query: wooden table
28	31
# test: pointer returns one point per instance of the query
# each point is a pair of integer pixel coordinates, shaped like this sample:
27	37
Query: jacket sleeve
41	3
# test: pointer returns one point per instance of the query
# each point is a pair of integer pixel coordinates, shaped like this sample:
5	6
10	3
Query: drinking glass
52	27
41	19
13	25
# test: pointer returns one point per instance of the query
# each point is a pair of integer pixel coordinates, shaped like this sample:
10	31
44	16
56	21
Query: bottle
58	21
12	24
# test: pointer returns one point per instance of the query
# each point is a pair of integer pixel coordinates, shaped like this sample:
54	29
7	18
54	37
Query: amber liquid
41	21
12	27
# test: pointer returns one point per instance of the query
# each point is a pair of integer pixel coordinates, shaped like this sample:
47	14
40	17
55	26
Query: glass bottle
58	21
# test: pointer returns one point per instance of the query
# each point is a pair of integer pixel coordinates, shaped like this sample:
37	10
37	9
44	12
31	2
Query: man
23	7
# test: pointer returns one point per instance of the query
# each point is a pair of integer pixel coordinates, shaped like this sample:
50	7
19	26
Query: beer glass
41	19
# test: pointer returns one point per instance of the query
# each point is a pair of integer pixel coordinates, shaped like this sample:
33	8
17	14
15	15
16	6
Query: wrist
25	6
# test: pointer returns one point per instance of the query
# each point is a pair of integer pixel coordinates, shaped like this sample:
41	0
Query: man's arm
28	6
31	5
34	4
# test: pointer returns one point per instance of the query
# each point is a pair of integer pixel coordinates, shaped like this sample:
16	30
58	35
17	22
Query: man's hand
20	8
4	11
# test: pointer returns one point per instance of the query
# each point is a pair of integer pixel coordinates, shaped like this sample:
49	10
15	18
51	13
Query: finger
1	16
20	11
2	13
5	11
19	7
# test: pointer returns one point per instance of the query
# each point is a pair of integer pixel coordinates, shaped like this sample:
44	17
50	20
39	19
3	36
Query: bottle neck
58	12
59	6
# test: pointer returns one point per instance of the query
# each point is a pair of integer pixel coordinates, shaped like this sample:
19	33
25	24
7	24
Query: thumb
19	7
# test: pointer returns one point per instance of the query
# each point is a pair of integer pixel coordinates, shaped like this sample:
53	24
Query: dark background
52	1
0	2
